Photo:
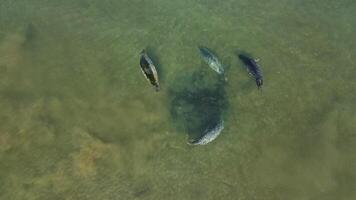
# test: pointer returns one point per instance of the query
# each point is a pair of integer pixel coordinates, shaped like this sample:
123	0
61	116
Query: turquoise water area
79	121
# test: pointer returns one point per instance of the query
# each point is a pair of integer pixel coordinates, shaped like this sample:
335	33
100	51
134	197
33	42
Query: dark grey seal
253	69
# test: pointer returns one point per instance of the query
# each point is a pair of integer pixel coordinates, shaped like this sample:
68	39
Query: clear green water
79	121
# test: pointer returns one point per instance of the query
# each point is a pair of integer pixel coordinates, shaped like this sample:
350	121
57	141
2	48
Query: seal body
253	69
209	135
211	59
149	70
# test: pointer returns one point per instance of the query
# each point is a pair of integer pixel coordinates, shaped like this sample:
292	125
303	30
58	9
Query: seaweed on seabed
195	104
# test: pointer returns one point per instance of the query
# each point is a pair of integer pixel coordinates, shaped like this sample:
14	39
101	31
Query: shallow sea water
79	121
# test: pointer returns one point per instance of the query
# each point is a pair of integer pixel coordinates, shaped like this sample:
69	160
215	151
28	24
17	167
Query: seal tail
259	82
192	142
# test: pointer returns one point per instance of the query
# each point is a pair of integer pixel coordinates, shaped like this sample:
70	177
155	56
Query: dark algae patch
197	102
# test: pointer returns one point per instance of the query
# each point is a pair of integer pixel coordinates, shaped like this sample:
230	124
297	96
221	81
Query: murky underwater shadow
31	35
197	102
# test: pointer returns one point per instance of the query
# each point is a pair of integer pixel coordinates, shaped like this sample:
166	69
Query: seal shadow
31	35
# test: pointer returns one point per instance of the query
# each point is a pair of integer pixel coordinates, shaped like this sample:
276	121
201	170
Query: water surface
79	121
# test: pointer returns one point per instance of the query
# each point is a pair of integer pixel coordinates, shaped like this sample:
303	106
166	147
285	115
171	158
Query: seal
253	69
211	59
149	70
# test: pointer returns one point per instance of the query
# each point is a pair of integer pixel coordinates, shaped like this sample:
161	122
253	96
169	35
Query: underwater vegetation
197	102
